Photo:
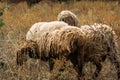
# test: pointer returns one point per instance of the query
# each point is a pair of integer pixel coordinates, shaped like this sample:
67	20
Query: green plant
1	13
1	20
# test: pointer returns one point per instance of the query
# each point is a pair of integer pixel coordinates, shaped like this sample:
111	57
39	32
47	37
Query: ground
19	17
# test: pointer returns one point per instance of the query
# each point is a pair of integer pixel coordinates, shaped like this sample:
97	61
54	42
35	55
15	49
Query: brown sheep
80	45
64	42
101	43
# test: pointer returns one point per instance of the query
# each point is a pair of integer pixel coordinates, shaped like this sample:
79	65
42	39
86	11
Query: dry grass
18	18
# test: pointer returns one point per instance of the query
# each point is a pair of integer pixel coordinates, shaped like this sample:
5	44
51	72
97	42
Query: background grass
18	18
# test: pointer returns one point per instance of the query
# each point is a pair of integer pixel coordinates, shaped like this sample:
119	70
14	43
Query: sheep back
39	28
60	42
31	34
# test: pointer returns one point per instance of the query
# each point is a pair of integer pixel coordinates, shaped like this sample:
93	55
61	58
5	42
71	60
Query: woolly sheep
80	45
40	27
68	17
54	44
101	43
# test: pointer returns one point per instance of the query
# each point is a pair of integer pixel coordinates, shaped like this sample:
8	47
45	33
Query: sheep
40	27
68	17
101	43
79	45
54	44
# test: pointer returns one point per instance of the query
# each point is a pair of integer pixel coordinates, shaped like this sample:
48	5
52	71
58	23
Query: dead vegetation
18	18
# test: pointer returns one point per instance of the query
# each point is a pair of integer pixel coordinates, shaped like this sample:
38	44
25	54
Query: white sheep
68	17
65	15
38	28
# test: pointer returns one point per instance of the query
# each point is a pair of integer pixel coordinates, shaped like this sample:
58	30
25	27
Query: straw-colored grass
18	18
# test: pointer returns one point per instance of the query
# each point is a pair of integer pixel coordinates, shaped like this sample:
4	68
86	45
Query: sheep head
30	49
68	17
69	20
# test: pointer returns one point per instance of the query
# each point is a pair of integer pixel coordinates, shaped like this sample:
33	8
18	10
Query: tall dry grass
18	18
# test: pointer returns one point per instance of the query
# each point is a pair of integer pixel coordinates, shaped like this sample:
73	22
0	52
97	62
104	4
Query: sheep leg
78	61
114	59
80	65
98	69
51	64
80	71
117	66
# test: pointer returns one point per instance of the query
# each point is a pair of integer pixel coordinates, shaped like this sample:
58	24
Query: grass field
18	18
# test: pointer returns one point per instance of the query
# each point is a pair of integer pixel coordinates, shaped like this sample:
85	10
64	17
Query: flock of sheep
63	38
